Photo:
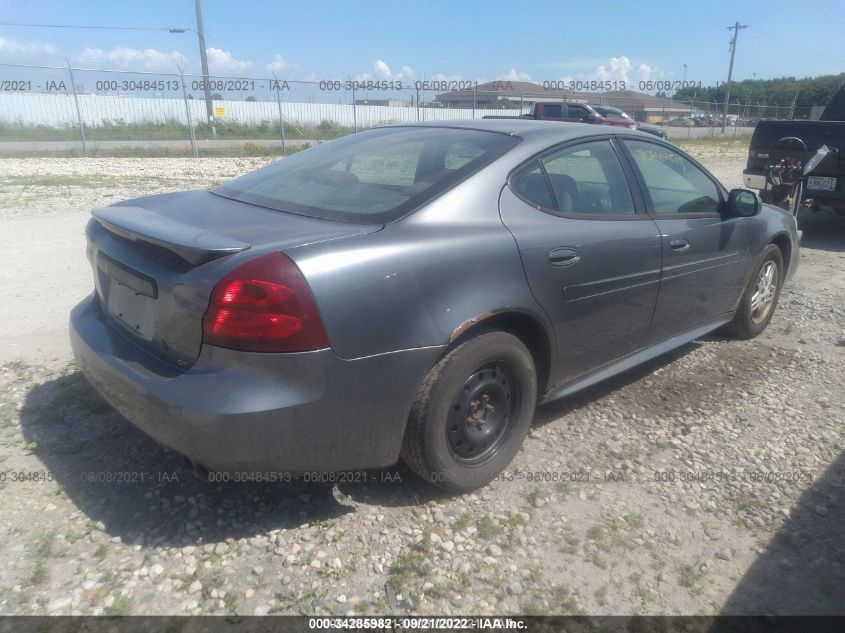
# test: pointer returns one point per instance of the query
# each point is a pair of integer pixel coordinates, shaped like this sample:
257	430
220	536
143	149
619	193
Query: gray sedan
609	112
414	291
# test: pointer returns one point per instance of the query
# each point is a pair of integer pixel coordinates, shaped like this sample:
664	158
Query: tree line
806	92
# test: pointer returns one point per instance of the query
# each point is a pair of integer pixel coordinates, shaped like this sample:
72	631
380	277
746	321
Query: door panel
701	282
601	304
704	254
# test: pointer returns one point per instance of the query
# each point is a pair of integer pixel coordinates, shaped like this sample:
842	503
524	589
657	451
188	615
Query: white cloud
12	47
123	57
617	69
513	75
442	77
382	68
224	62
383	71
620	69
278	65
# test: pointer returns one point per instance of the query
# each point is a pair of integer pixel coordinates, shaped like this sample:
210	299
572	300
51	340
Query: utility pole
209	107
735	28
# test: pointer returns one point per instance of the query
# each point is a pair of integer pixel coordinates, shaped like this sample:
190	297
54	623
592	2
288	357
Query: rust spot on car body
466	325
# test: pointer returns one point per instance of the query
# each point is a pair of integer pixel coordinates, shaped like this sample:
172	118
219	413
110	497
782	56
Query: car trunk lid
157	259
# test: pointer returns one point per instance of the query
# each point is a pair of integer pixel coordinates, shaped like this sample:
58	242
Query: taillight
264	306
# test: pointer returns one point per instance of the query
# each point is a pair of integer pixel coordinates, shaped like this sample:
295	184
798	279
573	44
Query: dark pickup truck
825	186
575	112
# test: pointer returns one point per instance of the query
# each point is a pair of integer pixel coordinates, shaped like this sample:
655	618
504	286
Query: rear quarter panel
420	279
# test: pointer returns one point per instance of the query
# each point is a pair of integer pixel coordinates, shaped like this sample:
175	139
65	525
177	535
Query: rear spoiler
190	242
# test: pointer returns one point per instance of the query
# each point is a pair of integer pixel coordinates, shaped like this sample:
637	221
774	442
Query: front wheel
472	413
761	297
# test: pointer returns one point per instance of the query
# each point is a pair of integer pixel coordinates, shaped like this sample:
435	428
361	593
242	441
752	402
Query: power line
109	28
801	48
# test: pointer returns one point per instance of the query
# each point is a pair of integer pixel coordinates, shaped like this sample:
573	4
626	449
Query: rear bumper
754	179
251	412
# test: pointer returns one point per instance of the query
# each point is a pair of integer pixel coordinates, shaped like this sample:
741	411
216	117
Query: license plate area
128	296
821	183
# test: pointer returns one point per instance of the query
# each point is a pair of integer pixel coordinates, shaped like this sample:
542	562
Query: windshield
610	113
370	177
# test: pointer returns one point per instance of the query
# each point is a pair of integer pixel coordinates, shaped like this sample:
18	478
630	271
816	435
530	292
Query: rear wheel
761	297
472	412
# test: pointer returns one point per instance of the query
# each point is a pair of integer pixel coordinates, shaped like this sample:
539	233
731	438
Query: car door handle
564	256
679	245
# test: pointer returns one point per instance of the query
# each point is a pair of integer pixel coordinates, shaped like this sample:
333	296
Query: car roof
516	126
534	133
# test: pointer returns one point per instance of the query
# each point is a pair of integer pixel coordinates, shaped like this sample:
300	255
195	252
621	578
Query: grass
42	550
601	595
462	522
56	180
513	523
411	566
689	576
171	130
570	541
613	535
122	606
175	151
298	602
560	600
233	606
487	528
536	494
566	601
640	591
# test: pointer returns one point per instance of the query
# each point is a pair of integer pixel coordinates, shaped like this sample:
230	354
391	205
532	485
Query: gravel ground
708	481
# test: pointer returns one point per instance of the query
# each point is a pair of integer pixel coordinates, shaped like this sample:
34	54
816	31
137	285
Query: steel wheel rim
483	413
764	292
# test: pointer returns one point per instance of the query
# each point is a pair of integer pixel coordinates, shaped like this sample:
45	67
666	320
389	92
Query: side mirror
743	203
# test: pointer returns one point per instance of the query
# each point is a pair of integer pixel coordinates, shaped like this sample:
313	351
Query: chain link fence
90	111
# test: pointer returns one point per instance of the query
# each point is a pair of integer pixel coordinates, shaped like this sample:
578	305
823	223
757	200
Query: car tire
472	412
761	296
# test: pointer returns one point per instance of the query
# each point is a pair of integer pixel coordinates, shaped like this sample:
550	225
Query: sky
457	39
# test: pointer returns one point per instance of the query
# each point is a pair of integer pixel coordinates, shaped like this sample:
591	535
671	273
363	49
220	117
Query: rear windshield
370	177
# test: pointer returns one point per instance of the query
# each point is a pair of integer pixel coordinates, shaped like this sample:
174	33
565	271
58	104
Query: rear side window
533	187
374	176
584	179
674	183
552	111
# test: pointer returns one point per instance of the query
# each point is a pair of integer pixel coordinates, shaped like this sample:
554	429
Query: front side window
371	177
578	112
584	179
674	183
